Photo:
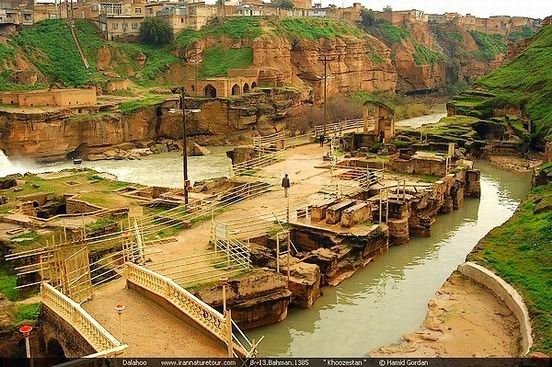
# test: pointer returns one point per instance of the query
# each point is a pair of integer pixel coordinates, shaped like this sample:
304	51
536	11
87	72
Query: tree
388	9
284	4
368	18
156	31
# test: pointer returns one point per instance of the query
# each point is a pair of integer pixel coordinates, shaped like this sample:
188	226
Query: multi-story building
192	15
402	16
121	20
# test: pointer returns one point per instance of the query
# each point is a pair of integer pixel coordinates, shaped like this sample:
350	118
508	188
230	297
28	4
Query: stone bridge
161	319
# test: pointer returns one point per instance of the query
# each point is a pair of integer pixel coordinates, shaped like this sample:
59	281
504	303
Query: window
181	20
137	10
134	25
115	26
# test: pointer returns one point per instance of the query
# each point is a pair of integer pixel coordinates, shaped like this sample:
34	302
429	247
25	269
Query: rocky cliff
55	135
520	88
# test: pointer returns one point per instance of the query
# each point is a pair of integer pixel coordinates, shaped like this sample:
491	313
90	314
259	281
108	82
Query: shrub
155	31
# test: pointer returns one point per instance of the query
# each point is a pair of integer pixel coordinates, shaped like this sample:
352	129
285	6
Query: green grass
99	224
218	60
314	29
454	36
525	83
524	32
8	282
235	28
55	53
27	312
429	179
490	46
131	106
520	251
26	238
6	52
388	33
426	56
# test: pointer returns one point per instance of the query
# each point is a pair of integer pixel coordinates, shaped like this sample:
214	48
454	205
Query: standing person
322	138
285	185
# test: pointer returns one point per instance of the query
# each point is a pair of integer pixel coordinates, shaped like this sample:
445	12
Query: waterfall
6	166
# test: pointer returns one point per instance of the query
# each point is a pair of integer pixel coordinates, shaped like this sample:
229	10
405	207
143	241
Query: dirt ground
148	330
514	163
463	320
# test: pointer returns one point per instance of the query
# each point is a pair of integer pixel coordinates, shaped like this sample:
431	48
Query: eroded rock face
52	136
349	65
259	298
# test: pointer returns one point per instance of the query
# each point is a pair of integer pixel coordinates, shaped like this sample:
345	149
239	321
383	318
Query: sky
482	8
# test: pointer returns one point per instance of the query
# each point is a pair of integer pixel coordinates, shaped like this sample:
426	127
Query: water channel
380	303
388	298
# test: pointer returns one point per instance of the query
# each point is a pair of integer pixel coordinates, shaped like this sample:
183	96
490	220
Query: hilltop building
50	98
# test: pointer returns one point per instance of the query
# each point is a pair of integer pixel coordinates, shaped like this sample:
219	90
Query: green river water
389	297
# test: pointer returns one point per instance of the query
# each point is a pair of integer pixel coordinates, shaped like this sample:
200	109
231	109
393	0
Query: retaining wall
507	294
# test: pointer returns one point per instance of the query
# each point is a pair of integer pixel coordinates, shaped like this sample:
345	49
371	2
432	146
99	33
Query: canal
389	297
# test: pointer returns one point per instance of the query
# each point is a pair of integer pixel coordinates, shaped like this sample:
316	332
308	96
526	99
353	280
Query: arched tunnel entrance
209	91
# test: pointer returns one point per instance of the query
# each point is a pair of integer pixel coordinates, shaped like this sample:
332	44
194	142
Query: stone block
334	212
319	210
356	214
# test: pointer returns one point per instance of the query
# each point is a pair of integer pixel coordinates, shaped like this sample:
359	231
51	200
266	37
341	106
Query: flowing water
161	169
417	122
158	169
380	303
388	298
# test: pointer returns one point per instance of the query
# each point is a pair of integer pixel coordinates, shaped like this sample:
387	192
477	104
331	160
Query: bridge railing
339	127
90	329
210	319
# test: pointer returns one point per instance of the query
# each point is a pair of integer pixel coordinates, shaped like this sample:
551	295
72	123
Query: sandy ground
149	330
463	320
514	163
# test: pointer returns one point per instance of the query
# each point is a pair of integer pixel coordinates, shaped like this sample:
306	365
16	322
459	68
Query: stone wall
507	294
54	327
75	206
51	98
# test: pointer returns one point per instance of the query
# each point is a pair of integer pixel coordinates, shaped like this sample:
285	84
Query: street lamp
119	307
184	137
26	331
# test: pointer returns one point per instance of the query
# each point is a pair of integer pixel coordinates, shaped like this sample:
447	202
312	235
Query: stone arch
235	90
246	88
54	349
253	85
210	91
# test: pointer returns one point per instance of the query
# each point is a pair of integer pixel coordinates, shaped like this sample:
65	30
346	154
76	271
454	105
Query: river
162	169
389	297
380	303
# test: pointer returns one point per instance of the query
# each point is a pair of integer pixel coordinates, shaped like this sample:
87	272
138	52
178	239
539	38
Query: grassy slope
525	82
217	59
393	36
50	47
520	251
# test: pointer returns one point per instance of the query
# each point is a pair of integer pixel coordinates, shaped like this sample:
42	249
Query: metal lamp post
184	147
119	307
26	331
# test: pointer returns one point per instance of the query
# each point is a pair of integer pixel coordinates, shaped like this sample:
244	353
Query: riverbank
389	297
520	252
464	319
